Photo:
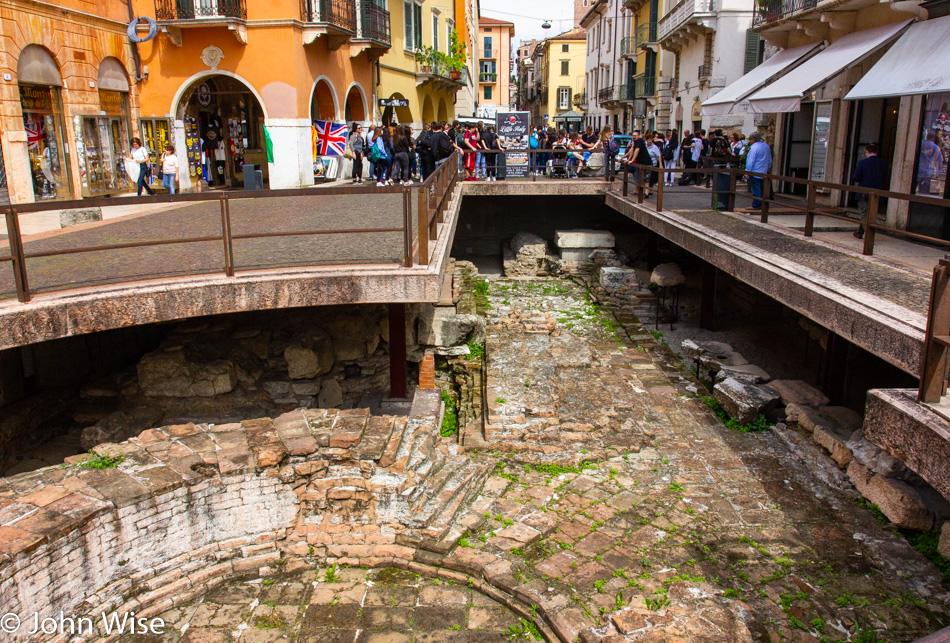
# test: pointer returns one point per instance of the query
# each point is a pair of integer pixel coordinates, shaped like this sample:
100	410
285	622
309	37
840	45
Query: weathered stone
349	349
527	256
446	328
169	374
742	401
900	502
944	545
831	437
616	278
748	373
875	459
331	395
77	216
309	355
843	417
799	392
584	239
306	387
808	418
667	274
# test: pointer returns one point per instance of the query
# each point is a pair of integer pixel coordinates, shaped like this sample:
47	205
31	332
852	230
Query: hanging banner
193	146
512	129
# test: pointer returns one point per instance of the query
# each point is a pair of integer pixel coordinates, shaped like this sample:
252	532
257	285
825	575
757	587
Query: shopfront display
43	122
932	168
156	133
105	142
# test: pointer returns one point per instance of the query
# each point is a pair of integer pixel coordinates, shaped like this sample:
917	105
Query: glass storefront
105	142
45	131
932	168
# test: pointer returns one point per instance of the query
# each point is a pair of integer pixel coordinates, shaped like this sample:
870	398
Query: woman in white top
140	156
169	168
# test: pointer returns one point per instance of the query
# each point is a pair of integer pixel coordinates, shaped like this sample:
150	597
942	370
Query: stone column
293	152
905	152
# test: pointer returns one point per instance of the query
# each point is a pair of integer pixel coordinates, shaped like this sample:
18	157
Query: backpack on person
668	152
720	148
533	142
612	147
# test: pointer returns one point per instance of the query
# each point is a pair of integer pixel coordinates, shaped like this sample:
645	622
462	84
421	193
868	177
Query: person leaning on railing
758	160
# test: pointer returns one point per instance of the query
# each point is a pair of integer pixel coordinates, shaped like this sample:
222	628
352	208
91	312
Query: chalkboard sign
512	130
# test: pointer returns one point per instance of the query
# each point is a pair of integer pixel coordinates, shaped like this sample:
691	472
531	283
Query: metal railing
724	198
433	196
704	72
606	94
935	366
628	46
644	87
767	11
340	13
441	69
646	33
580	100
374	23
680	14
200	9
487	77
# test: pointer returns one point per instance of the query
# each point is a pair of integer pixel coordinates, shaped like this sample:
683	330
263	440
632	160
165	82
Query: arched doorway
106	138
401	114
443	111
355	106
323	102
224	130
428	113
40	86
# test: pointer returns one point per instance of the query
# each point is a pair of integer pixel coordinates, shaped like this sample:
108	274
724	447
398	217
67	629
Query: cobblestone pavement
203	219
341	605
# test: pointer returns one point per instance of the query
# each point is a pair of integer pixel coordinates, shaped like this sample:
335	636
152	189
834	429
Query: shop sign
36	99
512	128
394	102
113	102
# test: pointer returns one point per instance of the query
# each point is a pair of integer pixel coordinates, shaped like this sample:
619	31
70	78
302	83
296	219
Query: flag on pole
269	145
329	138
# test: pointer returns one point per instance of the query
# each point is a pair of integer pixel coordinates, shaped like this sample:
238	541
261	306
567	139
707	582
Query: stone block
875	459
799	392
831	438
843	417
900	502
575	256
616	278
78	216
588	239
742	401
667	274
749	373
446	328
809	419
944	545
331	395
309	355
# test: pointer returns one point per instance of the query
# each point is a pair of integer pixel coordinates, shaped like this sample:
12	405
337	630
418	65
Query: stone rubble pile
745	392
527	255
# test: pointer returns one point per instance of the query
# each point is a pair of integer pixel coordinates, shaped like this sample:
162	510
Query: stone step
405	450
454	493
374	439
348	429
388	457
455	517
430	482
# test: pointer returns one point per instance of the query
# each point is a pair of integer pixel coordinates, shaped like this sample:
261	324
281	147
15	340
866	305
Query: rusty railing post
731	197
423	231
406	234
934	358
873	204
626	172
810	210
639	184
766	195
659	194
226	235
15	241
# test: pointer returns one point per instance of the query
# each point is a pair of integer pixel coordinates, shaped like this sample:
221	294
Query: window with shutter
417	27
753	50
565	67
408	38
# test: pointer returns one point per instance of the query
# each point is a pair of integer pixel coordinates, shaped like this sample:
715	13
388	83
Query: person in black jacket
442	144
871	172
425	152
402	147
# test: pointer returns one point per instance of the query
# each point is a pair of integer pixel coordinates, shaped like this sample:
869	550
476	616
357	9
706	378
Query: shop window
102	144
156	133
932	168
45	132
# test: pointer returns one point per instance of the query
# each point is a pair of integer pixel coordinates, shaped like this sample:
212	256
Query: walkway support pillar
708	301
397	352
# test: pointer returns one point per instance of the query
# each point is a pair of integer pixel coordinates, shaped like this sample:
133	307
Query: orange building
227	75
493	49
67	99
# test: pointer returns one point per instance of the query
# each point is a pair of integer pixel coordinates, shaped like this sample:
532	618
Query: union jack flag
34	133
329	139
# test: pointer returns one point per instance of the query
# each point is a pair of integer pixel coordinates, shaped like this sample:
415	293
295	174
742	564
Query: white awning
916	64
786	93
729	100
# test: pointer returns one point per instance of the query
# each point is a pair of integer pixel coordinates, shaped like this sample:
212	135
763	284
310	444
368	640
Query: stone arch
112	75
37	65
443	111
428	112
324	105
187	87
355	108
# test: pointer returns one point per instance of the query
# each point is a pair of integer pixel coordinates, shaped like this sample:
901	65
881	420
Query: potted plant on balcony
457	56
425	56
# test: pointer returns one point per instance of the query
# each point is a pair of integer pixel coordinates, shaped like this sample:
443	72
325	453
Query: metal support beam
397	352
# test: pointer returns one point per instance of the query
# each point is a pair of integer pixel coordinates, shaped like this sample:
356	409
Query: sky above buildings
529	14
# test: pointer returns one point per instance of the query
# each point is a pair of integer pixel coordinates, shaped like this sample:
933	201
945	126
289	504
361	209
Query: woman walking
169	168
384	146
403	146
610	148
140	155
671	154
654	150
356	146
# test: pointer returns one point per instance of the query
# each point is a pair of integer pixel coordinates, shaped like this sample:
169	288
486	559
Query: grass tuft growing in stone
101	461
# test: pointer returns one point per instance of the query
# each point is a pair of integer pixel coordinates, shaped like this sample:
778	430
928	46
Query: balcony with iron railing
605	95
682	14
374	25
628	47
437	73
644	86
204	10
487	77
340	14
704	72
646	34
580	100
769	11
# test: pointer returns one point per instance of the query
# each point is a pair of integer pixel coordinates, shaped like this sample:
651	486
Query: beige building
493	49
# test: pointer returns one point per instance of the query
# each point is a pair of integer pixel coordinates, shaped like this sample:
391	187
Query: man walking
758	160
871	172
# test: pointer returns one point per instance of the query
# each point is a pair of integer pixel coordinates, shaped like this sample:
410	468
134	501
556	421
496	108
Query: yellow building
561	60
417	81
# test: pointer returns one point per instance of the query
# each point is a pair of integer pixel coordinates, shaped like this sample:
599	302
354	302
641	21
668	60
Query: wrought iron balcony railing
644	87
339	13
705	71
200	9
580	100
487	77
605	95
628	47
646	33
374	23
767	11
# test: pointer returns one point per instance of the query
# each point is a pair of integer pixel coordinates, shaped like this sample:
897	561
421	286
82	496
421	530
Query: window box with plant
426	59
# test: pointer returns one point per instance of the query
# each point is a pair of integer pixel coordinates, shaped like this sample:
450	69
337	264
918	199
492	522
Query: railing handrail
221	9
680	13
